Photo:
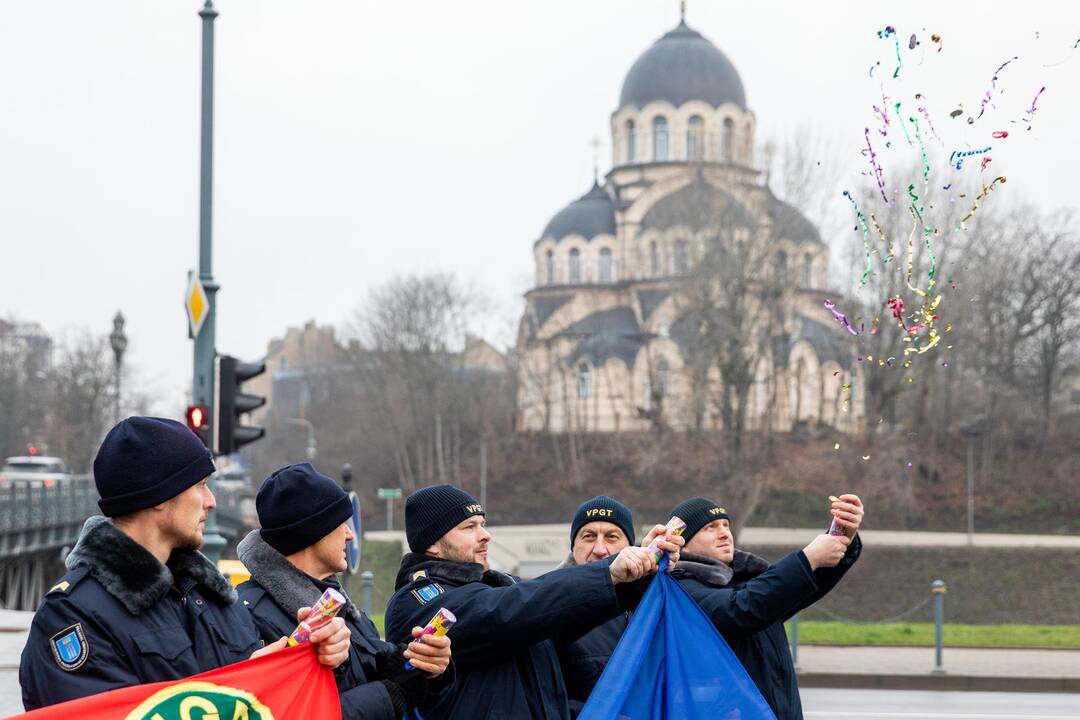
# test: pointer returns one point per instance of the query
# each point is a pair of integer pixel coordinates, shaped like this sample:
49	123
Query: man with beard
748	599
504	640
140	603
601	527
293	560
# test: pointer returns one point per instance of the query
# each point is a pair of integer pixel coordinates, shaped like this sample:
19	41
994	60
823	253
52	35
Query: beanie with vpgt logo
697	513
605	509
432	512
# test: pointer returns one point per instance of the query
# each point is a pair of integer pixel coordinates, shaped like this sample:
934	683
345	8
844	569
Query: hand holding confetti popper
438	626
675	526
320	614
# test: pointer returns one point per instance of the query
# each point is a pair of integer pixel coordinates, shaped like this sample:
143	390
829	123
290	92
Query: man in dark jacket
294	559
748	600
506	660
601	527
139	603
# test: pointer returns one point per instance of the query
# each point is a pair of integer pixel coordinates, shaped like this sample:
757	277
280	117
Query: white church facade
599	345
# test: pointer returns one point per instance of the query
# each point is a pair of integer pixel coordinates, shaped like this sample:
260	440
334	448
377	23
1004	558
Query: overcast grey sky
358	140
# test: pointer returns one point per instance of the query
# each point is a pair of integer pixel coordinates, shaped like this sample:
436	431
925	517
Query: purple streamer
840	317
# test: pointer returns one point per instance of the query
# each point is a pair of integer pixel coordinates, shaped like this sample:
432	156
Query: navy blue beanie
298	506
432	512
606	509
697	513
144	461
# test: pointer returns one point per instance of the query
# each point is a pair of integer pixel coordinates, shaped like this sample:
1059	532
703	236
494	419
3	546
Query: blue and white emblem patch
69	647
428	592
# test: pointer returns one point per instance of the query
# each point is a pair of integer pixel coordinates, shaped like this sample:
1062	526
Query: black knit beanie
606	509
433	511
298	506
697	513
144	461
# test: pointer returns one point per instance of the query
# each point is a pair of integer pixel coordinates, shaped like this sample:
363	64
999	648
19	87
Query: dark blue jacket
506	658
276	584
584	658
749	601
119	617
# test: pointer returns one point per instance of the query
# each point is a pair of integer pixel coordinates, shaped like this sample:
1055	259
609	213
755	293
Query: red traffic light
196	417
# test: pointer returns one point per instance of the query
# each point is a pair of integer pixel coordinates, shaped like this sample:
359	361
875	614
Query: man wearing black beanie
601	527
749	600
140	603
294	558
504	639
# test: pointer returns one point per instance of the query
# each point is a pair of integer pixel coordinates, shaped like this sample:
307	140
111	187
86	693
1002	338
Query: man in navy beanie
505	636
601	527
140	603
294	559
748	600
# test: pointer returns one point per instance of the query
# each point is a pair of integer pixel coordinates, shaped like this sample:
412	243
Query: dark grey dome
590	215
682	66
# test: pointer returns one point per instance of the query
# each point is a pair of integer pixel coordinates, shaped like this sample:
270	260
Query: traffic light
231	402
198	422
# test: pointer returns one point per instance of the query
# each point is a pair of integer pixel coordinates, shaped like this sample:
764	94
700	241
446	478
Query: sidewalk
909	668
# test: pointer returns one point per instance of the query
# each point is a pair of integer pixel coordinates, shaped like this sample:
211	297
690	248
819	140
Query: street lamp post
119	342
311	449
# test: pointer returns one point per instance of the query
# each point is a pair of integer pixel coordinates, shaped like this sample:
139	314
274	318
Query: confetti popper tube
438	625
675	526
835	528
321	613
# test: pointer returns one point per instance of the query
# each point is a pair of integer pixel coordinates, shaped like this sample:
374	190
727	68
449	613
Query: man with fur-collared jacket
748	600
139	602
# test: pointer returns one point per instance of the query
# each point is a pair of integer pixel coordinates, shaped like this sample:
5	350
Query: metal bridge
39	525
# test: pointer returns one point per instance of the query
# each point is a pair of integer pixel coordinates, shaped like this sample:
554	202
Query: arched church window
549	267
583	381
660	138
662	378
780	266
631	142
727	140
682	257
654	260
806	278
695	138
575	266
605	266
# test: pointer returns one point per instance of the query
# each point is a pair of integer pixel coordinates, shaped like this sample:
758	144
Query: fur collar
716	573
290	587
132	575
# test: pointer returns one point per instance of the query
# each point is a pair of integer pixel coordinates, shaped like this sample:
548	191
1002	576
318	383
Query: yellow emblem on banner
199	700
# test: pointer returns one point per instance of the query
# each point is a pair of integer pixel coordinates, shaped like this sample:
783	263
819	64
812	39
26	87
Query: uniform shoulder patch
427	593
69	581
419	575
70	648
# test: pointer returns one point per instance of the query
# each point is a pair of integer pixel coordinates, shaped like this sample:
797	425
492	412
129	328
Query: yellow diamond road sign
196	304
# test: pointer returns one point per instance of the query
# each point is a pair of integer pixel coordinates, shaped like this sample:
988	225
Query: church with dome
602	345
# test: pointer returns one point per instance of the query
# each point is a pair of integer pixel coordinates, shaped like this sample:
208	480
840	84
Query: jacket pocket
169	643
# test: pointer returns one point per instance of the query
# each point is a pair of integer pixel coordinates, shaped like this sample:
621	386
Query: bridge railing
36	517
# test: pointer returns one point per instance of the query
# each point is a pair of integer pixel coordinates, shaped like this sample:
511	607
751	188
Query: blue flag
672	664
